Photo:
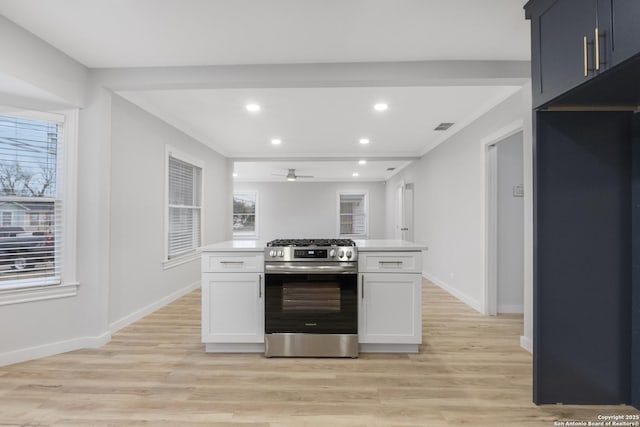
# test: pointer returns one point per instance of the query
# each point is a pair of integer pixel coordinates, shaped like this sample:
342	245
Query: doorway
505	196
404	212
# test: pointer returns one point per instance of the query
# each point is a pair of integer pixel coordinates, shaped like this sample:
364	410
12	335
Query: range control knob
349	253
341	253
332	253
280	252
272	253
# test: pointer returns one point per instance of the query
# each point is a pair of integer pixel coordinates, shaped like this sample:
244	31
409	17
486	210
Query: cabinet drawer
403	262
227	262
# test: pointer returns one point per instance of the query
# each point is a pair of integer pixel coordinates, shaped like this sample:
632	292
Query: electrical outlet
518	190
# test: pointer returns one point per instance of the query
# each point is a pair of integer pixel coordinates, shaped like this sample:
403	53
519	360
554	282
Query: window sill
37	293
245	237
183	259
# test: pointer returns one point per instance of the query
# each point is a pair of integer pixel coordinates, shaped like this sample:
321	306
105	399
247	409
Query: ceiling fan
291	175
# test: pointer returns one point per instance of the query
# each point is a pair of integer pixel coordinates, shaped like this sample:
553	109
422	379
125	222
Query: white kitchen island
389	295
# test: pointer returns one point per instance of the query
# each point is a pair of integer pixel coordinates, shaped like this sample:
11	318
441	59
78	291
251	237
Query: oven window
317	297
311	303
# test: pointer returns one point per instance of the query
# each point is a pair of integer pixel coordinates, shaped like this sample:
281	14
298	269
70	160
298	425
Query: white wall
449	203
35	73
138	158
309	209
510	223
117	282
526	340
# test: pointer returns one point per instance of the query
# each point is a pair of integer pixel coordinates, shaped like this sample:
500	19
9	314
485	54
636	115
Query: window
7	218
31	185
353	214
244	214
184	206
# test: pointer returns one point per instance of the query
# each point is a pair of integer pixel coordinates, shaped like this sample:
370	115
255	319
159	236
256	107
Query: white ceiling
319	122
141	33
377	170
16	87
319	126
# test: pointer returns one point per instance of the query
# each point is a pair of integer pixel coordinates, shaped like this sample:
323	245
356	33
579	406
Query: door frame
490	184
400	211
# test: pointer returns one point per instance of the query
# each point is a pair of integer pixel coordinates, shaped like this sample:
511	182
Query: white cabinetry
390	294
233	302
385	262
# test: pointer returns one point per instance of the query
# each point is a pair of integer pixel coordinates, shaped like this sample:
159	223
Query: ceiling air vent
443	126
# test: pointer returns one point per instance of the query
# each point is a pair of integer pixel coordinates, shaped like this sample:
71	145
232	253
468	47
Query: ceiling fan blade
305	176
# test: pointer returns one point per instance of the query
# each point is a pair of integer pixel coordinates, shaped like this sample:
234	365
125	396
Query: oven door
311	303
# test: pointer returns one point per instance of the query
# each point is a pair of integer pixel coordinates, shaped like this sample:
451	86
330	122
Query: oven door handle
343	268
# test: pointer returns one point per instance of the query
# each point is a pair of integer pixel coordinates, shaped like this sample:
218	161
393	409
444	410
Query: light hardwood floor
470	371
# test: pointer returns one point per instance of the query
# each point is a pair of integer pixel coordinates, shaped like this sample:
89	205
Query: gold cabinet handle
586	63
362	281
260	286
597	41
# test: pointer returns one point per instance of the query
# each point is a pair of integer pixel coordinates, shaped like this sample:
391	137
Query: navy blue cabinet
586	90
573	41
569	44
583	233
625	37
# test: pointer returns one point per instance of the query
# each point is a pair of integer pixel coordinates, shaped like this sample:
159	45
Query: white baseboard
145	311
511	308
526	343
51	349
471	302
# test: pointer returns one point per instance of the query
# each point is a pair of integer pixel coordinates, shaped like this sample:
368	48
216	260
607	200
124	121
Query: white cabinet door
390	309
232	262
389	262
232	308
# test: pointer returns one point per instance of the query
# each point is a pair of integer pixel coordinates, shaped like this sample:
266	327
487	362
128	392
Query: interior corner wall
309	209
138	281
49	326
510	214
449	204
33	61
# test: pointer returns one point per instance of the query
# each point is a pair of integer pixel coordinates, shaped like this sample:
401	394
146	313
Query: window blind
185	182
353	215
31	201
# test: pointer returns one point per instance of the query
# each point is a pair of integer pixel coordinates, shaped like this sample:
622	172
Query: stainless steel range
311	298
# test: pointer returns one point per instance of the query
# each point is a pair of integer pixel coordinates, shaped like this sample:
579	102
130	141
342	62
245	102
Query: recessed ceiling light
276	141
235	175
355	174
381	106
364	141
362	162
252	108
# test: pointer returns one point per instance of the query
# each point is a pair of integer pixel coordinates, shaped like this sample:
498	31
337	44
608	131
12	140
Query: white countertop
236	245
388	245
362	245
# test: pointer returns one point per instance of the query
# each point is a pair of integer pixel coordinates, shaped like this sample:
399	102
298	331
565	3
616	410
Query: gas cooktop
310	242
